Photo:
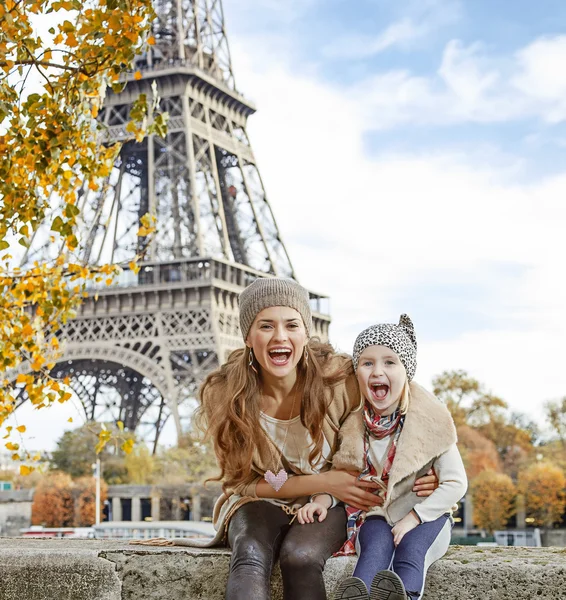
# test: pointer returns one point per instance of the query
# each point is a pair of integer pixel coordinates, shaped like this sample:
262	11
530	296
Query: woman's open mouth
280	356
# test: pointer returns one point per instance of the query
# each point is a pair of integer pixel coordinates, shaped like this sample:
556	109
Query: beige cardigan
340	399
428	439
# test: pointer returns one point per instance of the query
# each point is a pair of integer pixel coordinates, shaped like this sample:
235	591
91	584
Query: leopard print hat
399	338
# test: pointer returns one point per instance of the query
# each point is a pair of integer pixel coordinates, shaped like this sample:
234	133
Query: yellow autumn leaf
70	420
12	447
64	396
137	75
120	425
128	446
21	428
25	470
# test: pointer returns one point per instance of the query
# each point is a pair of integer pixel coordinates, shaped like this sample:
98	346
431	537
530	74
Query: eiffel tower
138	350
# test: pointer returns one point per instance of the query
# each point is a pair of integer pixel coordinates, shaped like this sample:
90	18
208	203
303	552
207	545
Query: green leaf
71	211
57	224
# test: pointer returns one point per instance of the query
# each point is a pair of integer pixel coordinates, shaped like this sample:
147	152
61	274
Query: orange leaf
21	428
137	75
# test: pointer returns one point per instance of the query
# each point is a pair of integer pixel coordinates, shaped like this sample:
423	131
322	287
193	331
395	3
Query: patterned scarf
376	427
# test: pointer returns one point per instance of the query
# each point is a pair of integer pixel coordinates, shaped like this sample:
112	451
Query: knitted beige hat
273	291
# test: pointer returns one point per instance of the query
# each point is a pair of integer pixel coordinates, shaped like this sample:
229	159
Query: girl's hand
306	513
403	527
425	485
345	486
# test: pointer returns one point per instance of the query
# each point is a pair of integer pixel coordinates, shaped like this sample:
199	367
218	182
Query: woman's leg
304	551
375	549
255	533
418	550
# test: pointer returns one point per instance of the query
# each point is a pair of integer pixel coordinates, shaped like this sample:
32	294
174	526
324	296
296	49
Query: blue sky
414	153
345	43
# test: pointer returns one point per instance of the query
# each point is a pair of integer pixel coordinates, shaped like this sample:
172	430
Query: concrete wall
15	511
98	570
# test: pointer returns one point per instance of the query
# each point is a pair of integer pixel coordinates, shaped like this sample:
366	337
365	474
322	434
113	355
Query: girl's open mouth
379	390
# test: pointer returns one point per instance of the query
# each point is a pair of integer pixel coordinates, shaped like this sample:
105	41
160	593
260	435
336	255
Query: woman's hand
402	527
346	486
425	485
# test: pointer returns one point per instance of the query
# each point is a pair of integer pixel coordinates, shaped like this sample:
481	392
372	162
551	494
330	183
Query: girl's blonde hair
405	399
230	405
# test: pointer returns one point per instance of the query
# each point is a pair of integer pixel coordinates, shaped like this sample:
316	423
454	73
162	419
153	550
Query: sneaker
387	585
352	588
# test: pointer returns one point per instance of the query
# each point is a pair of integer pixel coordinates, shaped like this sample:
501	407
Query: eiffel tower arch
138	350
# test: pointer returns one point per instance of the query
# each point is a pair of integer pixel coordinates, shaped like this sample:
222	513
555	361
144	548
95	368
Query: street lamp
96	472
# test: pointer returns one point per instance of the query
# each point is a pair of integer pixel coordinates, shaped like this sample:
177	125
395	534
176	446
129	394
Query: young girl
401	432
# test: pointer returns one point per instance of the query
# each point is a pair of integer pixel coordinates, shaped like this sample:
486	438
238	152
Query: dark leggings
259	533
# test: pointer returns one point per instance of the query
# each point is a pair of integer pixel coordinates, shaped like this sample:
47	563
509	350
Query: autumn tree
493	497
52	147
76	452
514	439
53	504
140	466
542	485
458	391
478	452
192	461
556	416
471	405
84	494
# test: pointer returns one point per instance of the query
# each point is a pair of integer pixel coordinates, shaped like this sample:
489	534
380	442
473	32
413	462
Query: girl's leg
375	549
255	533
418	550
304	551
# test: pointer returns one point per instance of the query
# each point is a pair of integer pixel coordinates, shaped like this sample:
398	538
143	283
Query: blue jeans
410	560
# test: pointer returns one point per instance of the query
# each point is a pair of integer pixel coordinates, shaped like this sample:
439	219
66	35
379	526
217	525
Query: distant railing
197	271
146	530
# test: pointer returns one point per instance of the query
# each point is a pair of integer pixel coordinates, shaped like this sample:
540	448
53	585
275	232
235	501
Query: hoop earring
251	362
306	357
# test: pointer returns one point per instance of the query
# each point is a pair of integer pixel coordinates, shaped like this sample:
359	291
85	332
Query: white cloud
419	21
541	75
472	85
400	33
363	229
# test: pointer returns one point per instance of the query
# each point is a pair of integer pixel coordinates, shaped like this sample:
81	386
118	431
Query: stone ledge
39	569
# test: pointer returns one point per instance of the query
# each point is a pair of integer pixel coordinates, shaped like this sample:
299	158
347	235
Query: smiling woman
273	412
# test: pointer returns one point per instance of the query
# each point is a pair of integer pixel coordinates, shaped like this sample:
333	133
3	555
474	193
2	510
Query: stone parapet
38	569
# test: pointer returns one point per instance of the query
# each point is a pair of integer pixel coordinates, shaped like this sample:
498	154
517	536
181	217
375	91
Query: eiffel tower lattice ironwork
138	350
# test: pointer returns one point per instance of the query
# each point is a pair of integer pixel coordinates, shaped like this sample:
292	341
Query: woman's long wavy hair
230	404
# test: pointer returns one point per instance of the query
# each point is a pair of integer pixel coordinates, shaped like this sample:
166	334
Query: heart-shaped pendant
276	481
